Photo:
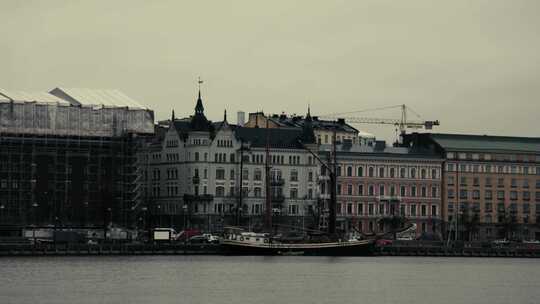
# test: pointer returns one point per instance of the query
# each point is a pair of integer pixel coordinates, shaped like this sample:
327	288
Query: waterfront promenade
404	248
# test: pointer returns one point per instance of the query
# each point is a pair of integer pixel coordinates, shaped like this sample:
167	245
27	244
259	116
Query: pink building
377	183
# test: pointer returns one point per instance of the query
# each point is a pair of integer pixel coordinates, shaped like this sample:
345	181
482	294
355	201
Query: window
488	181
196	156
349	208
476	194
413	210
424	192
392	172
463	181
423	210
463	194
513	195
451	193
257	192
310	176
413	191
360	209
433	210
451	180
349	171
371	191
500	195
220	174
423	174
402	191
434	192
360	171
360	190
231	174
349	189
402	172
381	190
310	193
370	171
489	207
526	195
381	172
258	174
294	193
220	191
433	173
476	181
338	189
488	195
413	173
370	209
294	176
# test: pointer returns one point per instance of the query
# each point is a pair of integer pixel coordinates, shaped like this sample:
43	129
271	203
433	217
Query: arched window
413	173
392	172
402	172
371	191
381	189
360	171
220	191
423	173
433	173
196	156
381	172
349	171
371	171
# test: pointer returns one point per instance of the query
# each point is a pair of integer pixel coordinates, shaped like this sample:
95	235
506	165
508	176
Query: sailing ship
238	241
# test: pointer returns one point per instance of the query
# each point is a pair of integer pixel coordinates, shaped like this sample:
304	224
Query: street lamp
185	208
2	207
34	206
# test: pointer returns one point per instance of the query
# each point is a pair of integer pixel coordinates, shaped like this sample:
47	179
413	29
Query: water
217	279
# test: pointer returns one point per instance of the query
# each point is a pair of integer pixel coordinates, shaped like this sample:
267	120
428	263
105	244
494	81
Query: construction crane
402	124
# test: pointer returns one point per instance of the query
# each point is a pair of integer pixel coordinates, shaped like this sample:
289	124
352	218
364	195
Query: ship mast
268	213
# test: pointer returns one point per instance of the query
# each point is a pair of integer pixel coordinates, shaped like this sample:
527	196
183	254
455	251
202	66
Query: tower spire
225	116
199	109
172	115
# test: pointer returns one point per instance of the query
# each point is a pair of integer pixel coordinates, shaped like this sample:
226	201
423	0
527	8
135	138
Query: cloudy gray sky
474	65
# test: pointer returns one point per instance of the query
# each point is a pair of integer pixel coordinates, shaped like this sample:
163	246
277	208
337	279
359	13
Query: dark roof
299	121
277	138
463	142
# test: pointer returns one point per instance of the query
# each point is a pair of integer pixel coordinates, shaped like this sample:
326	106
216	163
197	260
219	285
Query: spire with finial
308	136
199	109
172	115
225	116
308	116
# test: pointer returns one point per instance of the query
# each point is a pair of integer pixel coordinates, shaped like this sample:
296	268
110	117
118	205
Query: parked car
198	239
211	238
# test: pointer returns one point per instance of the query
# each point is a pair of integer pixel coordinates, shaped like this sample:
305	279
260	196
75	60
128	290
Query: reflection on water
217	279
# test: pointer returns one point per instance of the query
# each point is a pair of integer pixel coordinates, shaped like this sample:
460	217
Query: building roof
97	97
287	138
39	97
461	142
378	151
318	124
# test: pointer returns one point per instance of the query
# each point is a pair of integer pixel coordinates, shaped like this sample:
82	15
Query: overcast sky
473	65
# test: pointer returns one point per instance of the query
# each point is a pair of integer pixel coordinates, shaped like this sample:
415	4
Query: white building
193	173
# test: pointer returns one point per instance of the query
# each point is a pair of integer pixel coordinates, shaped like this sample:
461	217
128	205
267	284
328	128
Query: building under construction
68	157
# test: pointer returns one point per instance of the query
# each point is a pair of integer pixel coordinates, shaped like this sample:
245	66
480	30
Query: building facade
203	174
67	158
491	185
377	183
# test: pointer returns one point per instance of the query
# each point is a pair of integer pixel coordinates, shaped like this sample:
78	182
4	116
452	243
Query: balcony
389	198
277	182
278	199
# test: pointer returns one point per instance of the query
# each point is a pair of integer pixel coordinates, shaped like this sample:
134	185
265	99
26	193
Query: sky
472	65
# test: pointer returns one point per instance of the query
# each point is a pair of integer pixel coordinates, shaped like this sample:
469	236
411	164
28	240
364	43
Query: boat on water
238	242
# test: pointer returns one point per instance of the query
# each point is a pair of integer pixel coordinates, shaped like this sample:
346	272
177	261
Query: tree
392	224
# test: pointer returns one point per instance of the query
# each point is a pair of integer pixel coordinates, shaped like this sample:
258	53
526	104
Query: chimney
241	118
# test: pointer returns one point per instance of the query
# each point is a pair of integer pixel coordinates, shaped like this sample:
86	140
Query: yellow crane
402	123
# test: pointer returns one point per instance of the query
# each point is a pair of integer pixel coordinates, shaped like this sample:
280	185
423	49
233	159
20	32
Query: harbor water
292	279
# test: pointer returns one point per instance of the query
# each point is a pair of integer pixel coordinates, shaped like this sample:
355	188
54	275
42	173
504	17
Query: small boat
238	242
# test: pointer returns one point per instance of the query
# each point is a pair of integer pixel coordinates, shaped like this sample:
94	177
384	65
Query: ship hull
353	248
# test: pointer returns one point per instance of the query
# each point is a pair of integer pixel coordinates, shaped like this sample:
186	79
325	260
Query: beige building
491	185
